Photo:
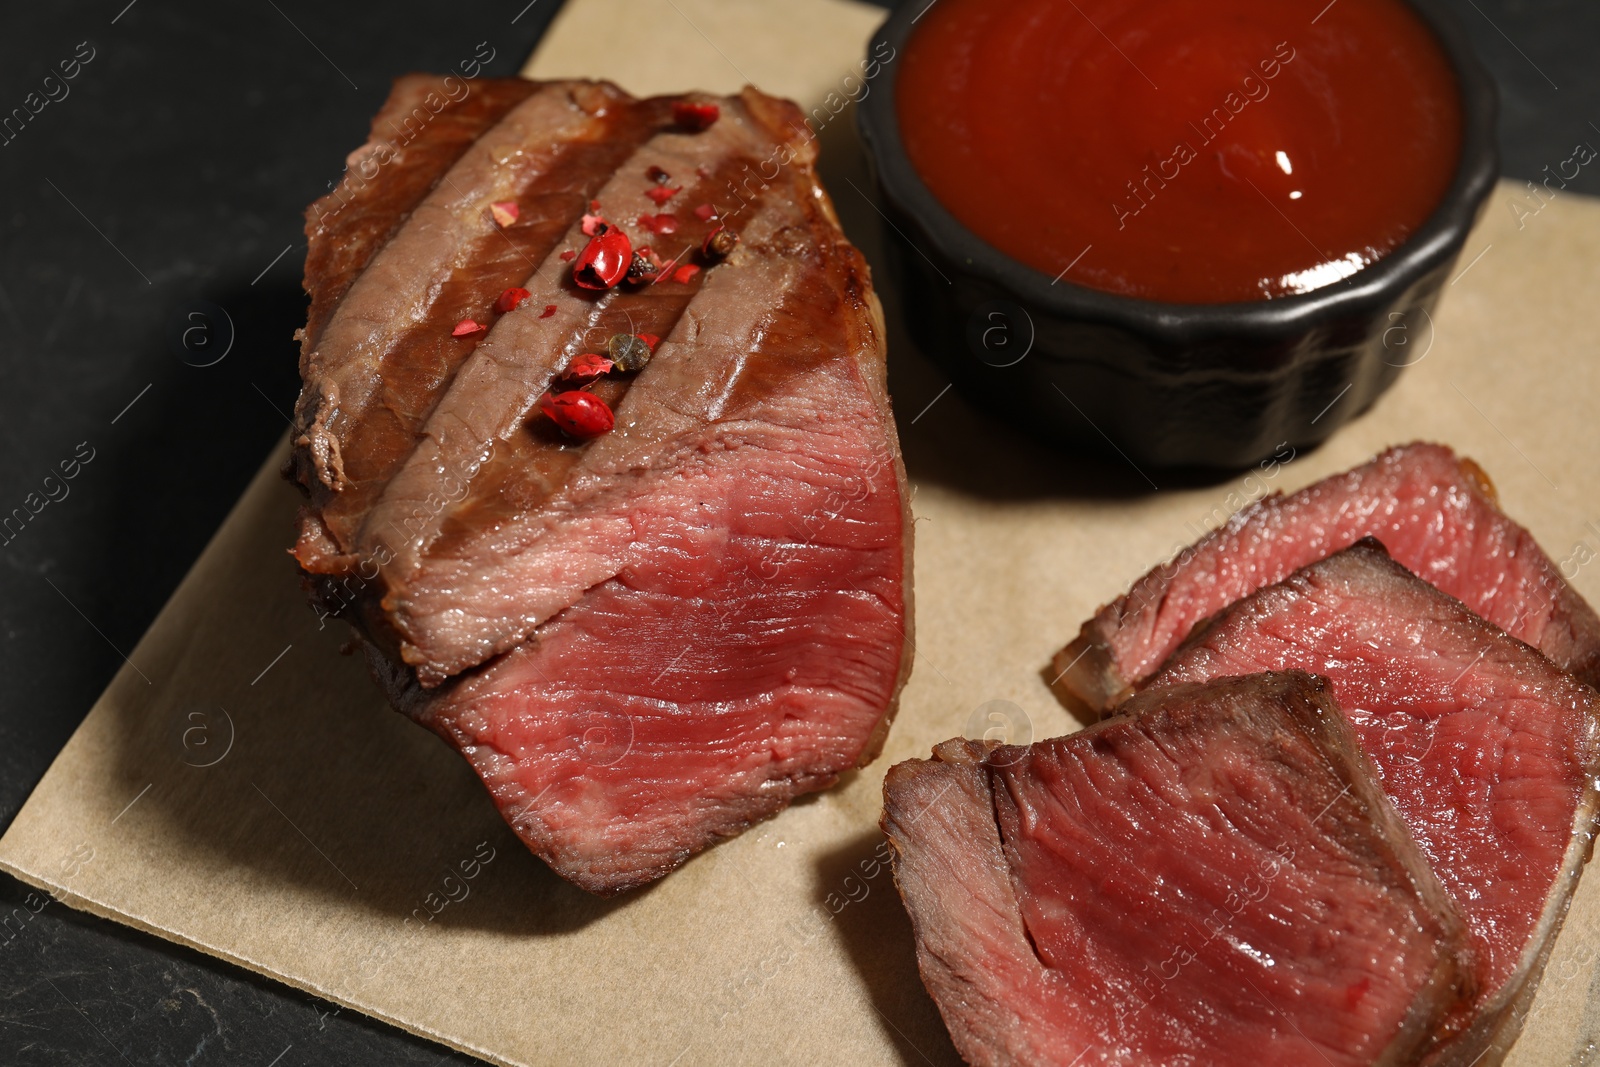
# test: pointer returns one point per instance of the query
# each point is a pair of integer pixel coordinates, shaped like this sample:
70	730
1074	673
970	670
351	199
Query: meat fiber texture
1434	511
645	641
1211	878
1488	751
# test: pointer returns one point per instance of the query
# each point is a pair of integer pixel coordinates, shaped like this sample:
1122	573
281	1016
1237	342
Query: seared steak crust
1211	878
1434	511
645	641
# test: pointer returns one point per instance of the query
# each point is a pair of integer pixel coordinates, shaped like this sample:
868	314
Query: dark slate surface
167	182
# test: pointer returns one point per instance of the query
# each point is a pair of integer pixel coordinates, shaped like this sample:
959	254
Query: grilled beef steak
1435	512
1487	750
641	640
1212	878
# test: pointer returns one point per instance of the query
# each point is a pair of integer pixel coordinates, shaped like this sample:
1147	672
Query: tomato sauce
1190	151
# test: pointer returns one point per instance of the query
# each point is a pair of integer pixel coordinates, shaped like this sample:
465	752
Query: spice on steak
695	117
628	352
585	369
641	269
659	224
578	413
720	243
505	212
604	260
511	299
664	270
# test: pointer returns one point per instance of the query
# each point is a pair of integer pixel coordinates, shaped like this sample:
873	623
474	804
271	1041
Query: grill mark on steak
493	396
448	234
1212	878
423	359
530	466
1488	751
1435	512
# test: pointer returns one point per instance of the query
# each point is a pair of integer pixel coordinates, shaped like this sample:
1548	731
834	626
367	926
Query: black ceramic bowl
1209	385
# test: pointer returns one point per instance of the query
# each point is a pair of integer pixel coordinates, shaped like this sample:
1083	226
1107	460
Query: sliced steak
1435	512
1212	878
1488	751
644	641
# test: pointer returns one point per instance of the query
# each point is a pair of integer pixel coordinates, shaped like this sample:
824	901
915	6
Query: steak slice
1488	751
1212	878
644	641
1436	513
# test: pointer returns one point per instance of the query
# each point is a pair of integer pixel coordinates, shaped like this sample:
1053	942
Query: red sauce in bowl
1189	151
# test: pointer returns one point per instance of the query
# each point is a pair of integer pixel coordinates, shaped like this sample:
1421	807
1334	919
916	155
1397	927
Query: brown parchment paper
241	787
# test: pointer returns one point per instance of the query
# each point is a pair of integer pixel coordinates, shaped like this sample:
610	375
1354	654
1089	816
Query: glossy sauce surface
1190	151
